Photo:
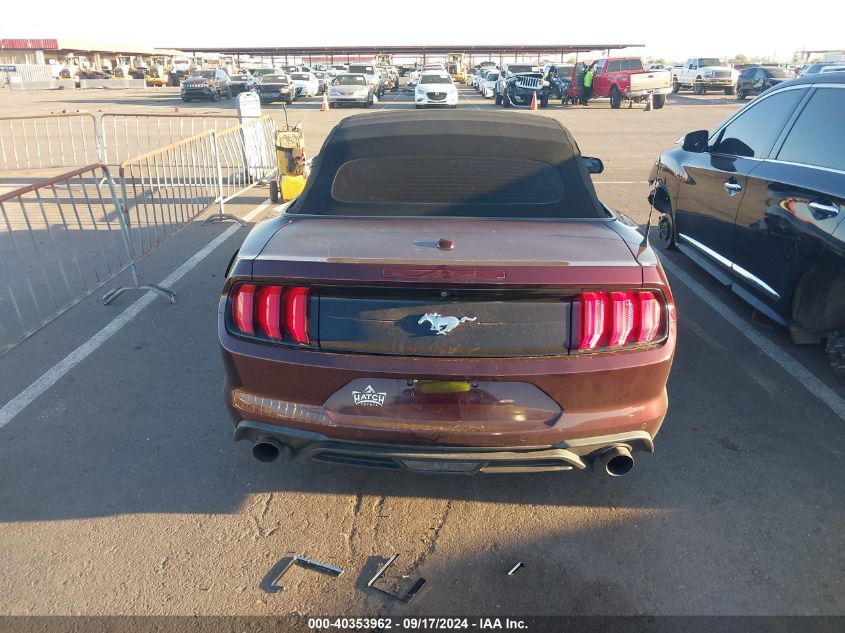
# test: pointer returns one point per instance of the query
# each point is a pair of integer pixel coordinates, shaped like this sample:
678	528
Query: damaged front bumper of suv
521	97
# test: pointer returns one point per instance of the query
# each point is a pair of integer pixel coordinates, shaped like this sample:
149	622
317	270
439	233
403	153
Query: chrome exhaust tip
615	461
268	449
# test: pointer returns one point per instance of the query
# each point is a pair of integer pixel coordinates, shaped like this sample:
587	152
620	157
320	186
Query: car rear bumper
572	455
562	399
647	91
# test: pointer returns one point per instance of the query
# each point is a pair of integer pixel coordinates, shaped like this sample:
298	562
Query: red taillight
614	320
296	314
269	311
593	319
279	311
243	301
621	318
650	317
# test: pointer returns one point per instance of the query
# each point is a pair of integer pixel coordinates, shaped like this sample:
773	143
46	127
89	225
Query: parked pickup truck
624	78
703	74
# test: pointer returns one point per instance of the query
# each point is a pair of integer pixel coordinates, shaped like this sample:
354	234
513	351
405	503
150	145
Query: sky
670	30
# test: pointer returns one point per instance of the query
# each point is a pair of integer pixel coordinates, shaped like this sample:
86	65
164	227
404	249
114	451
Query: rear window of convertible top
457	185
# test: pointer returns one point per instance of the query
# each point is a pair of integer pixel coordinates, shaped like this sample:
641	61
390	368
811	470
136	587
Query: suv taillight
617	320
272	312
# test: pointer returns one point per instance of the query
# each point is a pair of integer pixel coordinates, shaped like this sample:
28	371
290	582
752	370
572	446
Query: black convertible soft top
453	164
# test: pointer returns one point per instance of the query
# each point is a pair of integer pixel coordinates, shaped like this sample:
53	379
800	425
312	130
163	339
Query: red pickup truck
624	78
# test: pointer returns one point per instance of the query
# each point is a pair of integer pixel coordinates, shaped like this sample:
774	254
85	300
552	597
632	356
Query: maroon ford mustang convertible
448	295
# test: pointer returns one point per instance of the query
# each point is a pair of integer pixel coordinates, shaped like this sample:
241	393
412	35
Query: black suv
757	79
759	204
207	84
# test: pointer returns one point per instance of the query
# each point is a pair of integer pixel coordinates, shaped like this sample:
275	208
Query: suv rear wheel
666	232
835	350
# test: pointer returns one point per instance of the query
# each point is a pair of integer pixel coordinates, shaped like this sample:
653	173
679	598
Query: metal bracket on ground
306	563
414	590
515	568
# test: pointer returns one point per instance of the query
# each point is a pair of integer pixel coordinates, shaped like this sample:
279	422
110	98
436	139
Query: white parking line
57	371
395	99
620	182
769	348
462	94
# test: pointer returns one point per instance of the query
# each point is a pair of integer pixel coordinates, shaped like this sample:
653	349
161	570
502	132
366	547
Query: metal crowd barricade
126	134
65	237
60	240
49	140
246	155
162	191
165	189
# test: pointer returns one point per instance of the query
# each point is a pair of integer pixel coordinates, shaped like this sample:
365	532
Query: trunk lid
386	286
321	242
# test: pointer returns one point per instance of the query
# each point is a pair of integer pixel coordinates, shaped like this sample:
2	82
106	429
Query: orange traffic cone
533	105
325	106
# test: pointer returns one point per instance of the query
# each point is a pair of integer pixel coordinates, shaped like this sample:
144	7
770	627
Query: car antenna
644	244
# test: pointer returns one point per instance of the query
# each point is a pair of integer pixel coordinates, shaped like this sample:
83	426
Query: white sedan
487	83
307	84
435	89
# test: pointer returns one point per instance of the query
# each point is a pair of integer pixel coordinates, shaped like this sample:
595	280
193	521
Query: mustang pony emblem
443	324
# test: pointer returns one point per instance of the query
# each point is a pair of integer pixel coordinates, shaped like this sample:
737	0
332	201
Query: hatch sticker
369	397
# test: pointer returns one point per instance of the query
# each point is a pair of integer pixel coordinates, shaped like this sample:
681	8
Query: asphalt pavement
123	493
